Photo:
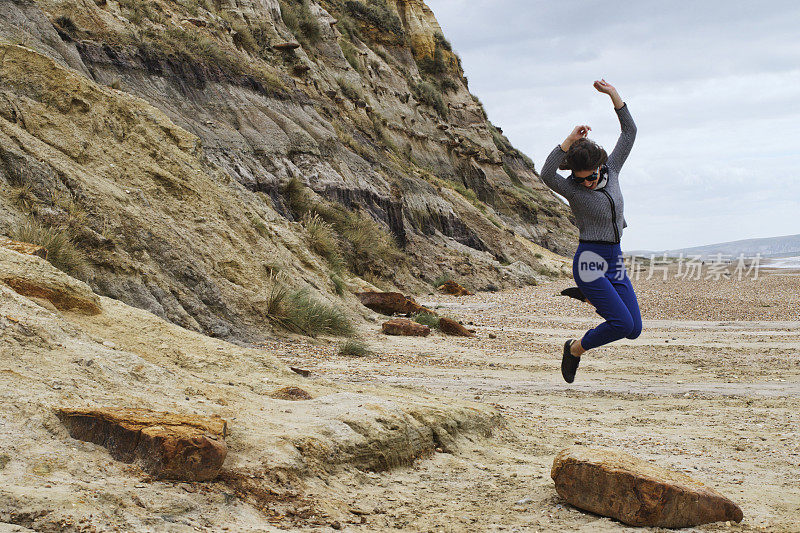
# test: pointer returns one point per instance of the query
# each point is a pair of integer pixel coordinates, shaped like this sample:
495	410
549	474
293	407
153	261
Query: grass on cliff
430	95
322	239
351	55
338	283
376	14
365	246
59	243
298	311
350	91
195	47
297	16
460	188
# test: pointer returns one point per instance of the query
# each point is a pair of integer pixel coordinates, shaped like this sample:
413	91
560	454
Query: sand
711	388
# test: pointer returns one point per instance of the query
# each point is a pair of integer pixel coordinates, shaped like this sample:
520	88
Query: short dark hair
584	154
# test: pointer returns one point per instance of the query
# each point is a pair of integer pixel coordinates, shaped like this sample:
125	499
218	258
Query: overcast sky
714	88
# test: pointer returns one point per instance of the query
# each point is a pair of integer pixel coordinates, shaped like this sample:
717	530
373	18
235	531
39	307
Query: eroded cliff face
172	138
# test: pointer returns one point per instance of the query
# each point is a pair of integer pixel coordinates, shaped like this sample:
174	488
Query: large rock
166	445
451	287
618	485
403	326
448	326
34	277
391	303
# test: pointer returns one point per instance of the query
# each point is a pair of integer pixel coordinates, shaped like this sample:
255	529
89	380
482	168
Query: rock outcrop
166	445
32	276
405	327
24	248
163	136
636	492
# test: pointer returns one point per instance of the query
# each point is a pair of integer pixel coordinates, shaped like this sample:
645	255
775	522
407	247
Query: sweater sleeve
625	142
553	179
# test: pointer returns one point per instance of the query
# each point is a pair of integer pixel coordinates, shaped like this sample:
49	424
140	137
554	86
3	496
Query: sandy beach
711	388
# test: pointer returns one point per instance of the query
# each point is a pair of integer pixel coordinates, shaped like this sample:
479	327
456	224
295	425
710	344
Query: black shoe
574	292
569	363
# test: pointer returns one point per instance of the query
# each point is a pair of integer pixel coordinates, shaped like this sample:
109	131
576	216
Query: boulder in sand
166	445
636	492
451	327
451	287
391	303
406	327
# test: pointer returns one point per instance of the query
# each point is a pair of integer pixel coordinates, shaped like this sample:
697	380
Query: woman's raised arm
549	176
628	135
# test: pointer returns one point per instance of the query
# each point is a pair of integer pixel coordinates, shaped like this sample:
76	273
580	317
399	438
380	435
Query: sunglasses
591	177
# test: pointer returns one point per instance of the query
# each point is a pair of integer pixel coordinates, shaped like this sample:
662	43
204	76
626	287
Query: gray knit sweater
598	212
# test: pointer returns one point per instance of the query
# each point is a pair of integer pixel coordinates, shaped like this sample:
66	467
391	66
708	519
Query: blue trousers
599	272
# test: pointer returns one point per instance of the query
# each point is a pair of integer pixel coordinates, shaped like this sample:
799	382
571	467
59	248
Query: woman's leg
628	296
619	320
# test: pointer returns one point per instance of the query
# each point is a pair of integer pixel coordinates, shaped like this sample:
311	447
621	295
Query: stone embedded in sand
290	393
301	371
636	492
391	303
451	287
25	248
33	277
449	326
166	445
405	327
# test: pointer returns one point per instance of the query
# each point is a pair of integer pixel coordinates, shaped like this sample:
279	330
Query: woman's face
587	174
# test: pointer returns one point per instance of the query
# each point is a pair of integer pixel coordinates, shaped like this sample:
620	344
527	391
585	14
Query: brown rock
391	303
302	372
451	327
406	327
291	393
25	248
451	287
62	300
166	445
636	492
286	47
35	278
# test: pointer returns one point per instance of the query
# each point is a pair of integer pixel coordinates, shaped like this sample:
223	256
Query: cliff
197	151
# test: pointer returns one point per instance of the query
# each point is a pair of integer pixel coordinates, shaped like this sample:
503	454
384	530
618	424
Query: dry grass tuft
59	243
300	312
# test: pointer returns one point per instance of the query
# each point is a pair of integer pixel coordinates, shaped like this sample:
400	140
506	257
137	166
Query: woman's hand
579	132
606	88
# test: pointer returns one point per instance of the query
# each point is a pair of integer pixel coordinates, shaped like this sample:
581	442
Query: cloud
713	86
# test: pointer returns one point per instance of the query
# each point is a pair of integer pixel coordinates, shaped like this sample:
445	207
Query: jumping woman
595	198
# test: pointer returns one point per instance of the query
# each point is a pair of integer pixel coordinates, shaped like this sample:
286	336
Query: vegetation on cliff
202	146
